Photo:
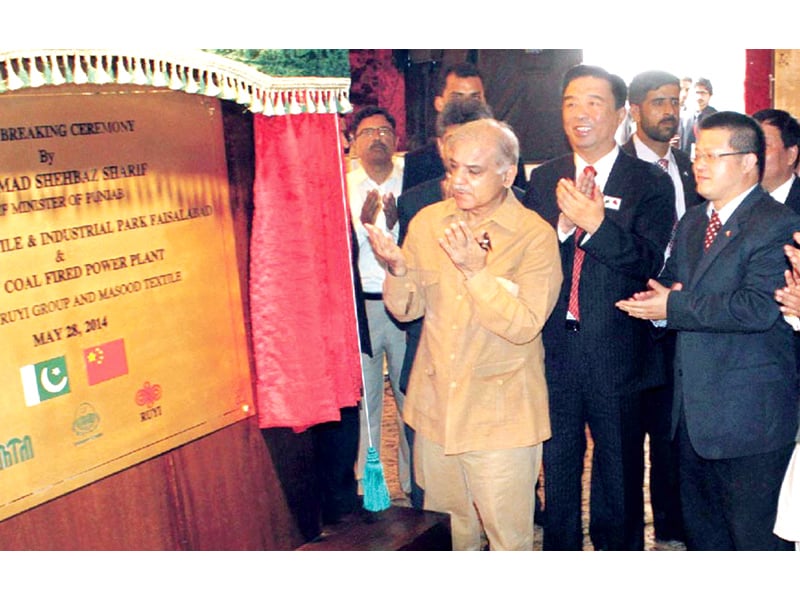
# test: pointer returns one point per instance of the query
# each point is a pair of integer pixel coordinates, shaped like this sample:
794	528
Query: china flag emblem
105	361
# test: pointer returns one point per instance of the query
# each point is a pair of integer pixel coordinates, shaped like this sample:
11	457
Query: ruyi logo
45	380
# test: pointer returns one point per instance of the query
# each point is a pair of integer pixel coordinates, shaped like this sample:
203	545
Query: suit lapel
615	181
694	243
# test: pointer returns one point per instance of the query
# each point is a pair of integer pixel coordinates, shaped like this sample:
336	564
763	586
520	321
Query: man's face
657	116
779	164
702	96
472	174
375	141
459	89
589	117
721	178
686	85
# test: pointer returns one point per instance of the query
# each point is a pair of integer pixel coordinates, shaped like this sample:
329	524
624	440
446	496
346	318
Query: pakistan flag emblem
45	380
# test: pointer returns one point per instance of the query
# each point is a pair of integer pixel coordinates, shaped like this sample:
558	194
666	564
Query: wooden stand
396	528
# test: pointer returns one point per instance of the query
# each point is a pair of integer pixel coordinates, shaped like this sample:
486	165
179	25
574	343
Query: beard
663	131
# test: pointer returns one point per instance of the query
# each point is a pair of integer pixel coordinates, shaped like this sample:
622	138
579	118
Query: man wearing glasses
735	413
703	91
372	190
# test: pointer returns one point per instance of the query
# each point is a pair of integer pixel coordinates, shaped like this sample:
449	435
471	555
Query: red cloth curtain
305	336
757	82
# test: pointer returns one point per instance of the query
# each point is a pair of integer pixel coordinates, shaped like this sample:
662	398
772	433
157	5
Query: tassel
78	75
280	104
139	76
242	94
309	104
14	82
269	107
192	85
227	92
124	75
56	78
175	81
159	75
210	88
294	106
376	493
344	103
35	77
332	108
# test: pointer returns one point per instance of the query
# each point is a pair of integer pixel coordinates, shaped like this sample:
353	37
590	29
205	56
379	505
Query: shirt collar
602	166
365	181
781	192
646	153
726	211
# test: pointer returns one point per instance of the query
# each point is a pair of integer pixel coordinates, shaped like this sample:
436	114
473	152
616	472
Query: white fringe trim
193	72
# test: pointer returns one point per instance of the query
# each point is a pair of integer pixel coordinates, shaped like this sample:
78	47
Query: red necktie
577	259
714	225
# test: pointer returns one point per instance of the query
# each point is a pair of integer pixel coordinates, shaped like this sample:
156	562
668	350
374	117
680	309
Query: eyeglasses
713	157
373	131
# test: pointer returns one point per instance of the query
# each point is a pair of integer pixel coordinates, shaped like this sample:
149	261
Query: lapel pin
485	243
727	233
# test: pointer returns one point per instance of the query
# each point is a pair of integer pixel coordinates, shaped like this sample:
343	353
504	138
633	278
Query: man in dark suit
703	90
654	99
457	83
597	360
782	135
736	412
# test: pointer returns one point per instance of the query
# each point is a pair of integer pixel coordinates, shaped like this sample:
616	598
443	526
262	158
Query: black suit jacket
664	342
687	127
735	376
626	251
421	165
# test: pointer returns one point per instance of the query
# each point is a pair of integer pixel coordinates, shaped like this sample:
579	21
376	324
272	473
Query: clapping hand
386	250
463	248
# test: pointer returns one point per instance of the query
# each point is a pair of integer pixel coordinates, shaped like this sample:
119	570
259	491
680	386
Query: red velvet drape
758	82
305	336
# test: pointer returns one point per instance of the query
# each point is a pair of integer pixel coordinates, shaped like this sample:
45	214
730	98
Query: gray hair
492	131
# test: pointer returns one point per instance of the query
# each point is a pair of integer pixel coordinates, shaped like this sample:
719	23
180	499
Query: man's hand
390	210
463	248
789	297
650	304
580	203
386	250
372	206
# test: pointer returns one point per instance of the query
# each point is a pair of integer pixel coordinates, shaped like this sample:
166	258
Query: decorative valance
190	71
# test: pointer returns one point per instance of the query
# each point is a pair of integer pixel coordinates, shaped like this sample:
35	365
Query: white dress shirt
781	192
645	153
358	185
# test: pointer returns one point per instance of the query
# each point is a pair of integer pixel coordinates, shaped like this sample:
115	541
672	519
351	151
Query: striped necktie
577	260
